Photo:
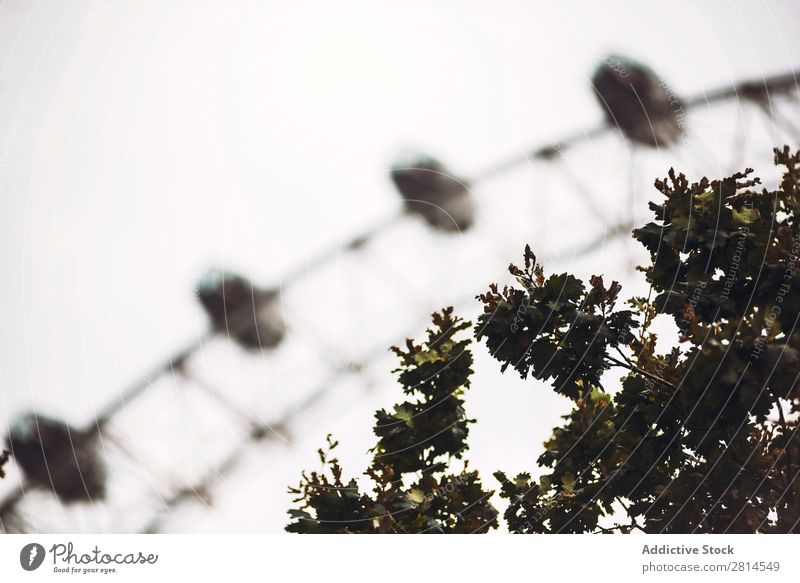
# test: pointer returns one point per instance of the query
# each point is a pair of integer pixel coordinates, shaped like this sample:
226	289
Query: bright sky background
141	142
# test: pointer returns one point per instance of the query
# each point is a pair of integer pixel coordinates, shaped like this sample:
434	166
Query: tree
697	439
418	442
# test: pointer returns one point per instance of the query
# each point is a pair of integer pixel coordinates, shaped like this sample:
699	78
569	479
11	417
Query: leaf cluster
701	438
413	490
554	328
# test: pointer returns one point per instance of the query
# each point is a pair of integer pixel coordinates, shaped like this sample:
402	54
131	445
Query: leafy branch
706	458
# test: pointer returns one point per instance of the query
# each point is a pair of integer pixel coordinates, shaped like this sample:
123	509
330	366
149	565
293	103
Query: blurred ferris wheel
275	352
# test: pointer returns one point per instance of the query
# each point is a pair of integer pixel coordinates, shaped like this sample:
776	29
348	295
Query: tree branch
644	373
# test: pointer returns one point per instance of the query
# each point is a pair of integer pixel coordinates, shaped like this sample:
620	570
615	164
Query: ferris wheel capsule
57	457
432	192
638	102
249	315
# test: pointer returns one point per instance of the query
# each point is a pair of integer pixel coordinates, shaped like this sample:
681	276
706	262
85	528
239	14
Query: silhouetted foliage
412	491
700	438
697	439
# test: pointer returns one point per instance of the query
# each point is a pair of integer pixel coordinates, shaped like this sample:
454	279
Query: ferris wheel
455	230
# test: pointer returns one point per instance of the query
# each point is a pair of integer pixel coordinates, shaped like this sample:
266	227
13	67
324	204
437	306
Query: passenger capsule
57	457
635	100
247	314
432	192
